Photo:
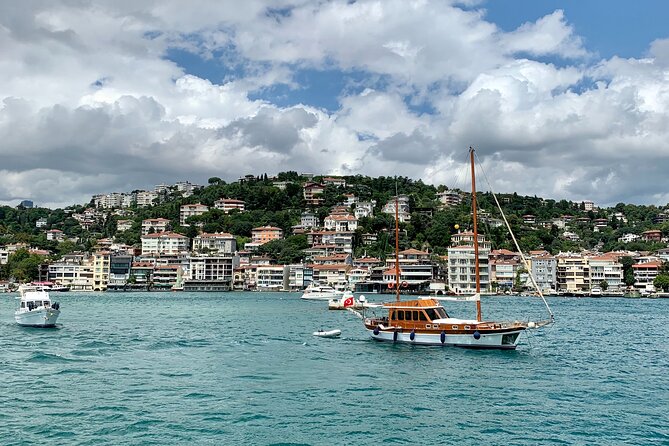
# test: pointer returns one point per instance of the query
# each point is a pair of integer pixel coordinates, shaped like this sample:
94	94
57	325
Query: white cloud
89	102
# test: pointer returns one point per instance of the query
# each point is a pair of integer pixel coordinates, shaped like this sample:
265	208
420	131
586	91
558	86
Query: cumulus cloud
92	100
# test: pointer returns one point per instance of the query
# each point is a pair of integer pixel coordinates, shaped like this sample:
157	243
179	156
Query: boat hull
321	296
42	318
500	340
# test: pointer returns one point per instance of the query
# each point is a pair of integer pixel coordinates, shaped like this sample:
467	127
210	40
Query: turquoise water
243	368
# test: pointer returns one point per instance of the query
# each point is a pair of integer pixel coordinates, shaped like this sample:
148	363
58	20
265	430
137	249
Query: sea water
244	368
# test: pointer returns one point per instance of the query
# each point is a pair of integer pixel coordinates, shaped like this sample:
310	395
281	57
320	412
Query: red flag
348	302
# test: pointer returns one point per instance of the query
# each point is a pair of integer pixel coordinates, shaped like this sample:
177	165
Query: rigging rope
515	242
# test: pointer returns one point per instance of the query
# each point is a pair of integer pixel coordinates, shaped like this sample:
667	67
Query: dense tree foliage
430	228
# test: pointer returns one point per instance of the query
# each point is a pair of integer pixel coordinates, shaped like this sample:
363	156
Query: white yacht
35	308
321	292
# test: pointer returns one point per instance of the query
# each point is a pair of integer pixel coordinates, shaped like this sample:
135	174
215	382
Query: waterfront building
544	269
165	277
191	210
155	224
101	263
606	268
333	275
119	270
270	277
209	273
573	273
644	275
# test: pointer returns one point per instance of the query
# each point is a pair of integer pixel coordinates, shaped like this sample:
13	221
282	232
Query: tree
604	285
661	282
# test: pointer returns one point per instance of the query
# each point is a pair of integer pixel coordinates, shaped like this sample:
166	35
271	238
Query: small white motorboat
327	334
35	308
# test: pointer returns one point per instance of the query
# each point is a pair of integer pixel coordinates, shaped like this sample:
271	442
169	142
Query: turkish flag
348	302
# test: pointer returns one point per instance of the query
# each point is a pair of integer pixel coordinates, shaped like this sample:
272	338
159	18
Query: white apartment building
403	208
216	243
191	210
158	225
462	269
101	263
449	198
228	204
145	198
269	277
168	243
209	269
608	269
364	209
340	223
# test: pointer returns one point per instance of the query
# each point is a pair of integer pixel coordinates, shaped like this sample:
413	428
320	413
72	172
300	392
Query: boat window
421	315
415	315
400	315
432	314
408	315
23	304
46	303
442	313
37	303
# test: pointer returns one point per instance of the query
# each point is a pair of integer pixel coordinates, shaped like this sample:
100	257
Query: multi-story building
209	273
266	234
41	222
606	269
169	243
166	277
341	223
119	270
101	263
364	209
462	269
55	235
449	198
123	225
229	204
403	208
157	224
313	193
186	188
333	275
191	210
309	220
544	270
113	200
573	274
220	242
270	277
645	274
145	198
334	181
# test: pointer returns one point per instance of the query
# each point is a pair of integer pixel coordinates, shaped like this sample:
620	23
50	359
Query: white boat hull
507	340
321	296
327	334
42	317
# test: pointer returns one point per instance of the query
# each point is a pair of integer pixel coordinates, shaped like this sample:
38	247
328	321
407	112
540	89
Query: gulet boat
425	321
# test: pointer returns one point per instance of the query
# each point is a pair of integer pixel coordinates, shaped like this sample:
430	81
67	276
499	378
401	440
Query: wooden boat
327	334
426	322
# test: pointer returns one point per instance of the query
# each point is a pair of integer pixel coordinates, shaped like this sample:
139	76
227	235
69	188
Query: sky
561	99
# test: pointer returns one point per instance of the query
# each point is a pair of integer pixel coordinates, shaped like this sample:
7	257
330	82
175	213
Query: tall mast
476	239
397	245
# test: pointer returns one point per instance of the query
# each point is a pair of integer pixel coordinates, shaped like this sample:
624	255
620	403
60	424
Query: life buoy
391	285
405	284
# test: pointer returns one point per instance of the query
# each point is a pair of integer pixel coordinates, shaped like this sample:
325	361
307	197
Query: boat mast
476	240
397	245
